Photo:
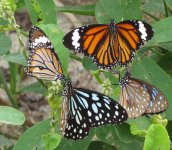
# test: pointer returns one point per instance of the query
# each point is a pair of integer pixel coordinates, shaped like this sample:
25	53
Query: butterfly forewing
43	62
98	108
131	34
109	45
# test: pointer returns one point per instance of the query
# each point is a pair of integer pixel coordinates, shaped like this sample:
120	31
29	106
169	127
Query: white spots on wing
84	125
75	39
108	115
97	118
107	106
106	99
74	130
116	106
116	113
41	39
99	104
142	30
77	119
82	93
94	107
89	113
80	131
95	97
100	116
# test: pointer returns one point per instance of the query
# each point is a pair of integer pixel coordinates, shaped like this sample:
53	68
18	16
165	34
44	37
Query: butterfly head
125	79
67	87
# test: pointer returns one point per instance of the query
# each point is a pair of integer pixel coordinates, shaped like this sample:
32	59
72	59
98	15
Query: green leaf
101	146
117	9
56	36
154	6
9	115
39	10
169	129
169	4
5	43
31	139
51	140
166	62
81	10
88	64
17	58
146	69
163	30
157	138
35	88
124	134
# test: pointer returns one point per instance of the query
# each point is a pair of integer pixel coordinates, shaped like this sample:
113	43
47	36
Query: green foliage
157	138
10	115
153	63
32	138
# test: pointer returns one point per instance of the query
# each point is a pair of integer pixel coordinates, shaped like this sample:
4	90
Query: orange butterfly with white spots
109	44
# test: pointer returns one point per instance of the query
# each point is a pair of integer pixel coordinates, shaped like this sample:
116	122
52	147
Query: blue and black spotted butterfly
140	98
81	109
109	44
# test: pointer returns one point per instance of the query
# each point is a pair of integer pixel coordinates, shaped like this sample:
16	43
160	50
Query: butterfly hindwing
43	62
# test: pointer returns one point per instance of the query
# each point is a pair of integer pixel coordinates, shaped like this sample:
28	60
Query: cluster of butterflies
108	45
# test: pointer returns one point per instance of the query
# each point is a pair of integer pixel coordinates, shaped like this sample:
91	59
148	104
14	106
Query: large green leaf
162	36
39	9
157	138
17	58
118	10
5	43
35	88
166	62
56	35
81	10
146	69
32	138
154	6
9	115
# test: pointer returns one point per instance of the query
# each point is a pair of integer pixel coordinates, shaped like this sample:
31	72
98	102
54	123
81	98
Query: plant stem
10	96
152	16
75	57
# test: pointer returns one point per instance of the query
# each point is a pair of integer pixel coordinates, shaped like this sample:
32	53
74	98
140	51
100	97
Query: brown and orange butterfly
109	44
43	62
140	98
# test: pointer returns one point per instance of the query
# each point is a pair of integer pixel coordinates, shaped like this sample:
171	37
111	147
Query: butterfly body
139	97
109	44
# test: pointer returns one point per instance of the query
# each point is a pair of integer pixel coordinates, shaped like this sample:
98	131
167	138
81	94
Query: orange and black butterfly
43	62
140	98
109	44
